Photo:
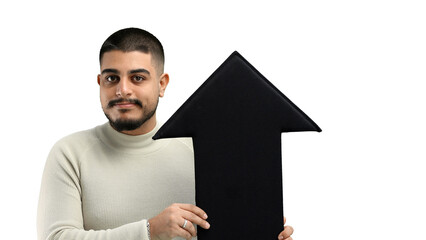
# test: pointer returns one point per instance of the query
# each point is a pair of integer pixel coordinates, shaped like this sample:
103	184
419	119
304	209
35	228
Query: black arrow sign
236	119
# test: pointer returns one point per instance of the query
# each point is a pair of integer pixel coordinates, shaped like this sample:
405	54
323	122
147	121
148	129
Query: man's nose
124	88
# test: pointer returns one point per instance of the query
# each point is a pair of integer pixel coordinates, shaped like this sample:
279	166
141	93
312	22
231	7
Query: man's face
129	88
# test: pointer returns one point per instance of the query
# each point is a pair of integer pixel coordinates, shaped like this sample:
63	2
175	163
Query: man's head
131	80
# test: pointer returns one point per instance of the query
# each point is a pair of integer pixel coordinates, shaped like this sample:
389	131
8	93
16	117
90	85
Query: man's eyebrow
110	70
139	70
115	71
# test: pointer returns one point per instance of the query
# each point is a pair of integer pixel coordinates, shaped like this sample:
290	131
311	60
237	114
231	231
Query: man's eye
111	78
138	78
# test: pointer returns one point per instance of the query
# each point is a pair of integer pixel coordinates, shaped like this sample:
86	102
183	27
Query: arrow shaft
250	195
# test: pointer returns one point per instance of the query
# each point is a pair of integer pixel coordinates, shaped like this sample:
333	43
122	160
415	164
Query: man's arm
59	213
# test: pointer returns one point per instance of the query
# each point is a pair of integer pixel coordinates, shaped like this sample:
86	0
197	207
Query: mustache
121	100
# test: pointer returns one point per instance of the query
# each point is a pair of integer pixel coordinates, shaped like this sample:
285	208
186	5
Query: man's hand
178	220
286	233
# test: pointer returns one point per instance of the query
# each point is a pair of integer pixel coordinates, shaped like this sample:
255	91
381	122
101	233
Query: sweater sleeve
59	214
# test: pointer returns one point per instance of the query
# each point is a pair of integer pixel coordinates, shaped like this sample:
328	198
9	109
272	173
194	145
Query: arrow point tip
236	53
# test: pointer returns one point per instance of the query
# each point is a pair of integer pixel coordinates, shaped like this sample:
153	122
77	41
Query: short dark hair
135	39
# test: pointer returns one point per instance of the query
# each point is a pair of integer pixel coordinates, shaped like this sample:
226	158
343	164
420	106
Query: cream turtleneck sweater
102	184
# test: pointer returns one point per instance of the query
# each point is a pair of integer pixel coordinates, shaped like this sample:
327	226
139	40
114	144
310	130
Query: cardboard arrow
236	119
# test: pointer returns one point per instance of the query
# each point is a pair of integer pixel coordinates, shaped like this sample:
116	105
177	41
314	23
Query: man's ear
99	79
164	81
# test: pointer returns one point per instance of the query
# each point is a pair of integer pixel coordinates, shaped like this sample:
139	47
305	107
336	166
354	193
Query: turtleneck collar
140	144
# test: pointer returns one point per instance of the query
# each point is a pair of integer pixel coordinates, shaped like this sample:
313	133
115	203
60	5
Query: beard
121	125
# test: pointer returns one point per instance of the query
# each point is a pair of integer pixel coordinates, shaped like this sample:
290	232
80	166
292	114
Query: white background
355	67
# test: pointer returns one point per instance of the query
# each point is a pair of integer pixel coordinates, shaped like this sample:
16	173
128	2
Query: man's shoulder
68	150
80	139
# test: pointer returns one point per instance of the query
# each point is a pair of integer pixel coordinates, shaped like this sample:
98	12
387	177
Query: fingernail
280	237
207	225
205	216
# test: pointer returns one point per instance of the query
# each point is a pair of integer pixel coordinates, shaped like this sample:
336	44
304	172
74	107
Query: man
114	181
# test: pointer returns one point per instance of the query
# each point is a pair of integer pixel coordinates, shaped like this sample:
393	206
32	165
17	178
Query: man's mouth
124	103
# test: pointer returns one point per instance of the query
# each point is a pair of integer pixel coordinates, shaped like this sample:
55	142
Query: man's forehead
126	60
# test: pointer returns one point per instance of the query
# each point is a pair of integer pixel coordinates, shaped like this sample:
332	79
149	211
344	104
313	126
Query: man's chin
129	124
126	124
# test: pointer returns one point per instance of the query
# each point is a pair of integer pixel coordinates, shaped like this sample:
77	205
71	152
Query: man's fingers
196	219
288	231
194	209
195	215
178	220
